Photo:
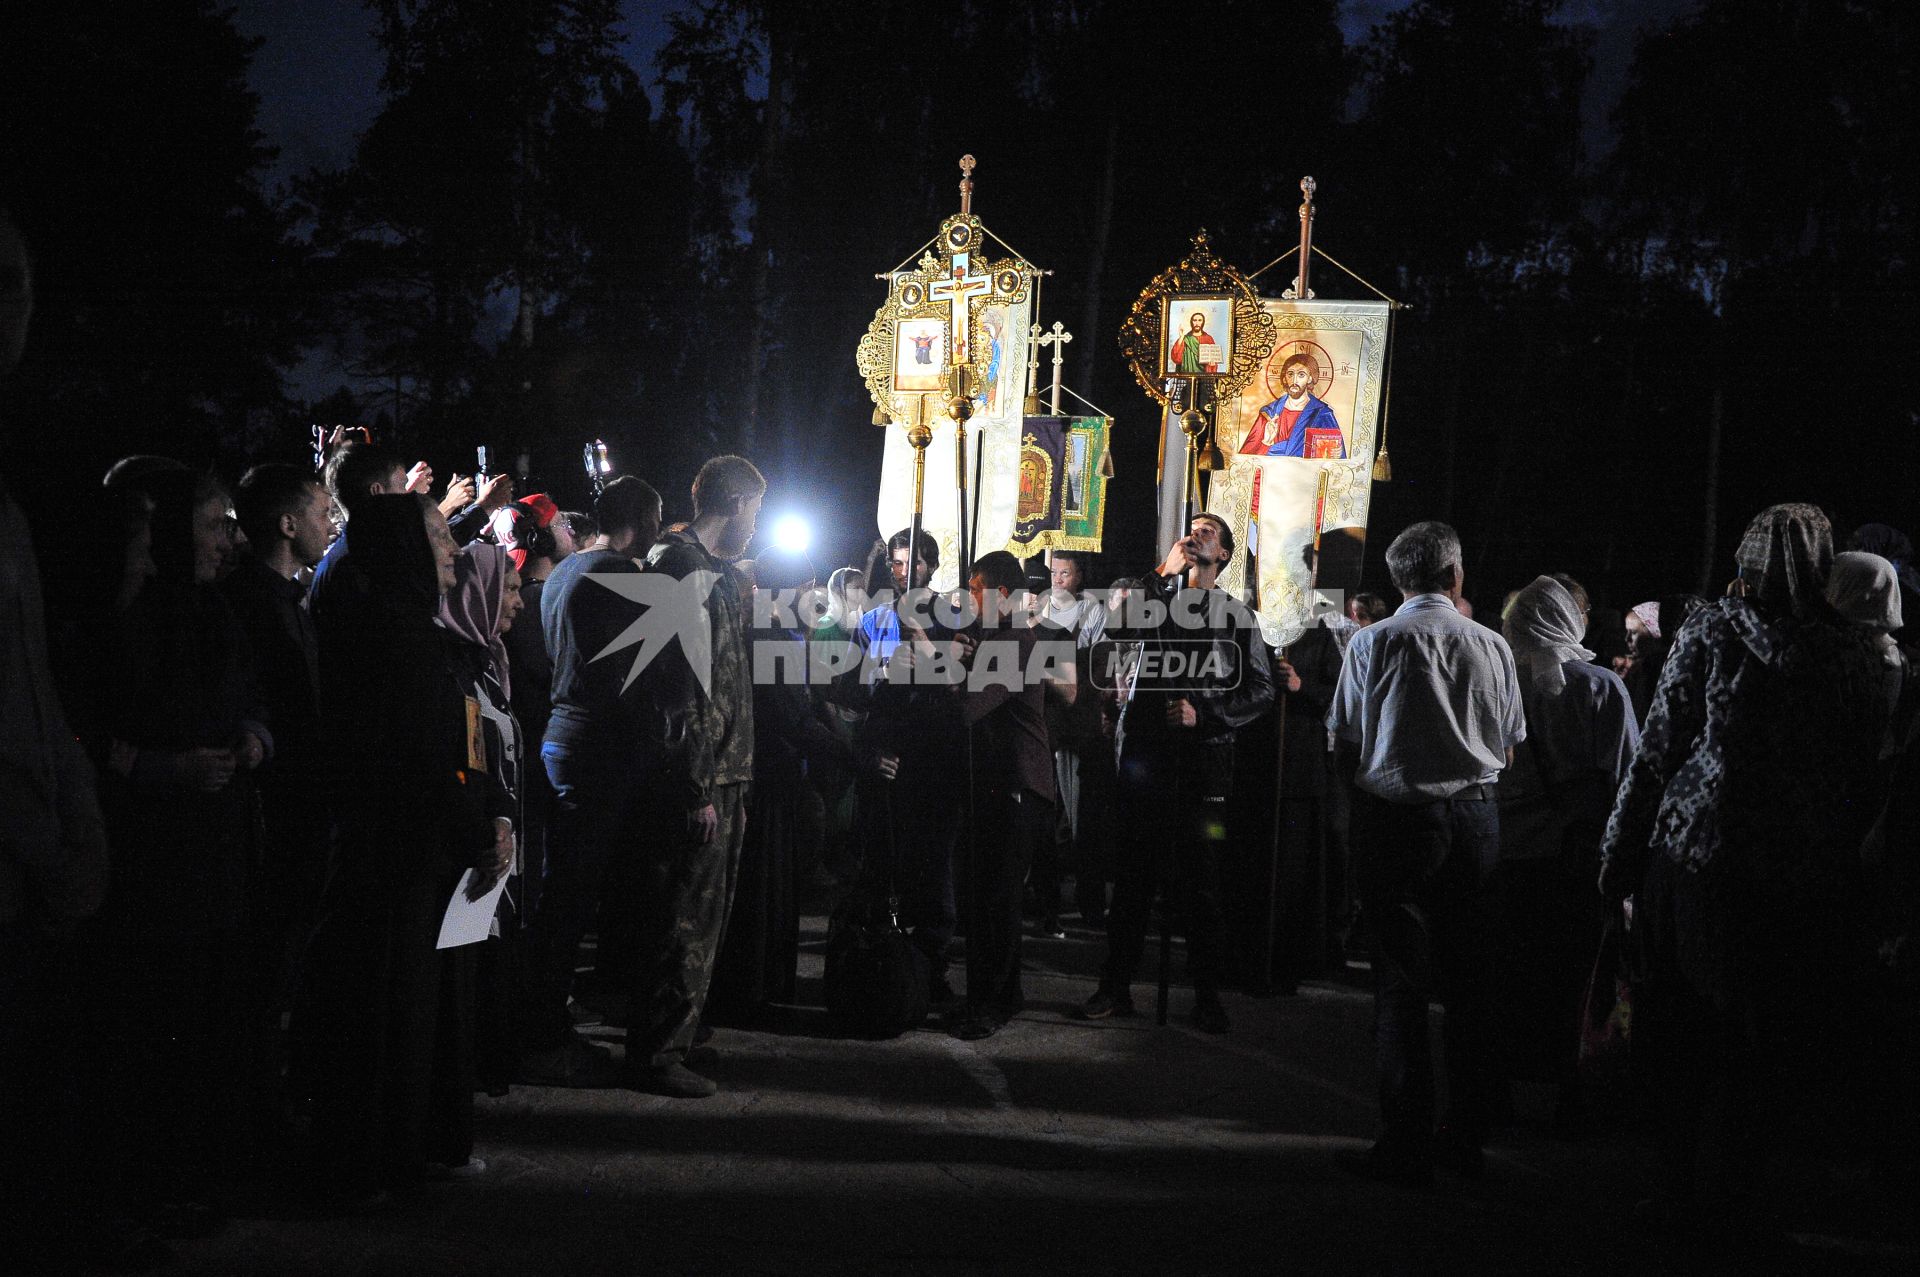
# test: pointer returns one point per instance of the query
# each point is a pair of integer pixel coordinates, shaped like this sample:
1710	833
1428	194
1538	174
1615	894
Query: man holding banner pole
1200	674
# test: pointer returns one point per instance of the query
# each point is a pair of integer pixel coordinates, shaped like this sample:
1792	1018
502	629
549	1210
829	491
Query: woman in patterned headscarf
1737	833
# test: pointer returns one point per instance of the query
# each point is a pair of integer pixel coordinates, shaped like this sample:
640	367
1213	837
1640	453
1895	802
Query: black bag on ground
876	981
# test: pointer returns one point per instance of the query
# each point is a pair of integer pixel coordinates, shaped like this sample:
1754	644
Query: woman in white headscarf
1865	589
1554	801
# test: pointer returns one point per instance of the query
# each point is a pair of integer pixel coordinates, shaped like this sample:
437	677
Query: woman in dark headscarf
415	807
1737	833
180	729
478	611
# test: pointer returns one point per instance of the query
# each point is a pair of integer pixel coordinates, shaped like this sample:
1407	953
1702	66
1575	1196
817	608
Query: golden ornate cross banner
922	339
948	345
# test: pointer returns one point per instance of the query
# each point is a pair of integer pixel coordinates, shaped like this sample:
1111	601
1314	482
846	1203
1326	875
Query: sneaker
1105	1003
675	1081
1050	928
574	1063
1211	1017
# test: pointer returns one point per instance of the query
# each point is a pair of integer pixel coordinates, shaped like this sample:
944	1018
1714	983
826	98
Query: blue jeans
595	824
1425	872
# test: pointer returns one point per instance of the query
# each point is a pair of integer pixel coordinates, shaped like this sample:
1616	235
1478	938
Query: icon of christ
1194	351
1299	424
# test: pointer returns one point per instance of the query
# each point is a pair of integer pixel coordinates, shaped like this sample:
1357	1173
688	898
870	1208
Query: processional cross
945	289
957	287
961	283
1057	338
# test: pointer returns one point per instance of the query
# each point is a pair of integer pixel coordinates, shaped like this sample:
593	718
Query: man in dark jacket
1174	741
596	752
1003	703
284	513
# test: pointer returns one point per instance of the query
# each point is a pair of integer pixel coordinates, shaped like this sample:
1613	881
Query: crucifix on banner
959	286
946	344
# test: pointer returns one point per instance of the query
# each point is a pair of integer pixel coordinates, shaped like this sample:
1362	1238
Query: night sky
1550	389
318	76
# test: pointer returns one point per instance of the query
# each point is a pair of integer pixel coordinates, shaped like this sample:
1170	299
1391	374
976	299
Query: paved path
1057	1146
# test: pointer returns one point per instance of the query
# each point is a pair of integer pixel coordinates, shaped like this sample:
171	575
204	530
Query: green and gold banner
1061	501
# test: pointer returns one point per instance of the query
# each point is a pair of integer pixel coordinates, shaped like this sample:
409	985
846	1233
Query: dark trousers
1337	806
1280	895
1177	841
1424	877
912	830
1009	829
597	822
686	889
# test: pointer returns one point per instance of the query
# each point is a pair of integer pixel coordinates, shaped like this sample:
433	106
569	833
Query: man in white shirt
1427	714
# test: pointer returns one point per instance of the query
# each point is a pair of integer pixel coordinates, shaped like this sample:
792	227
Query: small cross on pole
967	163
1057	338
1301	291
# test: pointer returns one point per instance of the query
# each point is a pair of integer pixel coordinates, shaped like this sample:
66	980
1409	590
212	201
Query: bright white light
791	534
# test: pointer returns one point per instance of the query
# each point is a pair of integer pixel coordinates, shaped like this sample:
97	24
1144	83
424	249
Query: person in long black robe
180	729
394	1084
759	958
1301	882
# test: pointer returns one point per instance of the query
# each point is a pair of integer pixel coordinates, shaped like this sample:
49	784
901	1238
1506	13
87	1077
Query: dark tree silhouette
170	299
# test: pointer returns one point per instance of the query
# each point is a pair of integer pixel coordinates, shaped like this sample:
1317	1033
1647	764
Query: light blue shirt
1432	701
876	637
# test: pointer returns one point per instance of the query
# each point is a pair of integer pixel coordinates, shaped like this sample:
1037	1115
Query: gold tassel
879	415
1211	458
1382	468
1032	407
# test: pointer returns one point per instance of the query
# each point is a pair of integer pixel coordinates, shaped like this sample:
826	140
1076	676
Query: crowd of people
266	745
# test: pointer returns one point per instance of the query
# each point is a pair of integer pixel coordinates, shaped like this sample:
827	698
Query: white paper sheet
469	921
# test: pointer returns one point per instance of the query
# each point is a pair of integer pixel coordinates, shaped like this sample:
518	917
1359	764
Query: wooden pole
1301	290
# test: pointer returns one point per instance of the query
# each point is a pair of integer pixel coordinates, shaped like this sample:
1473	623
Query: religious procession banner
994	438
1314	407
945	361
1062	486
